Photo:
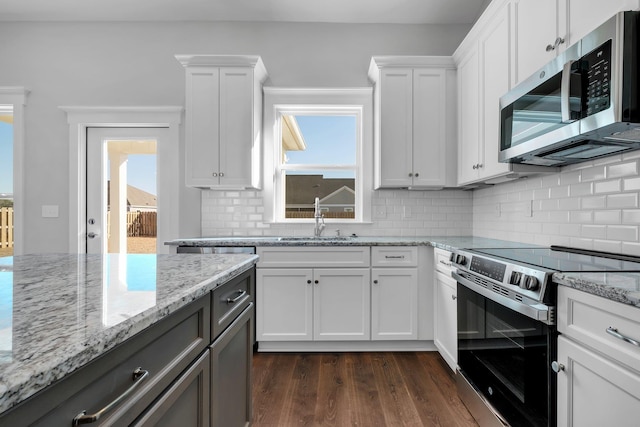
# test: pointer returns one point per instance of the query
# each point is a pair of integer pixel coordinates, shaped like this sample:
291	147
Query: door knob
557	367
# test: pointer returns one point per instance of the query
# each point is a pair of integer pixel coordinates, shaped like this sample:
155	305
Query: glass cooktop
567	260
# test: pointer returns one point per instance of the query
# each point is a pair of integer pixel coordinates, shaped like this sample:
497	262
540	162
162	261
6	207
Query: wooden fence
139	224
6	227
309	214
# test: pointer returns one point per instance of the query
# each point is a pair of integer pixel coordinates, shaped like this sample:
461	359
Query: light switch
50	211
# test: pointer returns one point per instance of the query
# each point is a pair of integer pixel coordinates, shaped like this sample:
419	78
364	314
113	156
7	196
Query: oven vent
500	290
518	297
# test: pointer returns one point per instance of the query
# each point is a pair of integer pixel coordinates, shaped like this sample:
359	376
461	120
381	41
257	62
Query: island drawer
314	257
601	324
164	350
229	300
394	256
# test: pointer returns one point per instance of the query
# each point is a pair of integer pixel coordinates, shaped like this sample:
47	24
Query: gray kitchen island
119	339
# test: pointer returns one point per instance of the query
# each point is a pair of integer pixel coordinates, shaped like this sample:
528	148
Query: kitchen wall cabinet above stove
223	120
544	28
414	103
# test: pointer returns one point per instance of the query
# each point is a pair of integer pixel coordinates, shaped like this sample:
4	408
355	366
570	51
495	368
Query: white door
108	151
394	304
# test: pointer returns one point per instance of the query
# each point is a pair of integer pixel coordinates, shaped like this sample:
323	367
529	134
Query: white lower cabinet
598	370
445	309
394	304
594	390
445	334
305	304
343	298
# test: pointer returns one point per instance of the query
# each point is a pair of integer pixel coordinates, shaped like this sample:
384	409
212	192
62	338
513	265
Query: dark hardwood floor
355	389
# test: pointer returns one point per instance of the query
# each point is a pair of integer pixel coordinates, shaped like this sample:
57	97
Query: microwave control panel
596	67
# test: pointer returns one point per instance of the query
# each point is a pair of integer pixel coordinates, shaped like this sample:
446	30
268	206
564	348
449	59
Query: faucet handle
338	232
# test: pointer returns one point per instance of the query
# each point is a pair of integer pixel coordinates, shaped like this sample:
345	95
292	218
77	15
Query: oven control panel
519	278
488	268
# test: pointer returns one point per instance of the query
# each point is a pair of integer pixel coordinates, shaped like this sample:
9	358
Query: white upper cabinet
414	121
543	28
223	120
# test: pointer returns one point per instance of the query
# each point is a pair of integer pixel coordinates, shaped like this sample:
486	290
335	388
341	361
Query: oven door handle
539	312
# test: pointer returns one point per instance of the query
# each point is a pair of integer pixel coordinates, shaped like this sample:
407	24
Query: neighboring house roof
342	196
135	197
303	189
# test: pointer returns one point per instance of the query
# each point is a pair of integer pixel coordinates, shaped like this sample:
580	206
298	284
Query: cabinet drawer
229	300
164	350
442	262
394	256
325	256
586	318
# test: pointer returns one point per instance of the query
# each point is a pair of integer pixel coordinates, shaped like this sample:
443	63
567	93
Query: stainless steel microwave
582	105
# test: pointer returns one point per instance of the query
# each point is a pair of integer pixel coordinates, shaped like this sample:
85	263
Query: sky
329	139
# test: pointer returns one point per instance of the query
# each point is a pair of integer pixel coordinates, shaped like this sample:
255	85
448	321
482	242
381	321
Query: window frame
317	101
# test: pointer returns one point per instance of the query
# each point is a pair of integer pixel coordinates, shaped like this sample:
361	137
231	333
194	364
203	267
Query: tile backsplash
393	213
592	205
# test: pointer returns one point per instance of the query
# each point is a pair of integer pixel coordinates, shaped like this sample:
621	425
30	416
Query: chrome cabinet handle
92	235
614	332
447	264
241	293
394	256
453	297
215	174
557	367
82	418
410	174
375	282
221	174
555	44
417	174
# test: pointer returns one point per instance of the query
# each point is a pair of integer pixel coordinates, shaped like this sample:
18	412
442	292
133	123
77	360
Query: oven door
505	356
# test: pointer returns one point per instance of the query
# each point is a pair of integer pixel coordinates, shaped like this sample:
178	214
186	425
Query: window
318	160
318	150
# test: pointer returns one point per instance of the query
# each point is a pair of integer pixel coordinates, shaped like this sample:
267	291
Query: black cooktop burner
564	259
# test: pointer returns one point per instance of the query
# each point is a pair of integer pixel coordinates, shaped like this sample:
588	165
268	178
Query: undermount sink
315	239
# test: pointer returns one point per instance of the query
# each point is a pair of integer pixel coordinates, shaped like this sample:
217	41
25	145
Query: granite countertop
620	287
443	242
60	311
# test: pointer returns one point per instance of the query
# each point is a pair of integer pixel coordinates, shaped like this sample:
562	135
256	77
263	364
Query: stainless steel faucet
317	231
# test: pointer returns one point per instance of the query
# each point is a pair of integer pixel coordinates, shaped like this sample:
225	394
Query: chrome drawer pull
447	264
615	333
82	418
394	256
241	294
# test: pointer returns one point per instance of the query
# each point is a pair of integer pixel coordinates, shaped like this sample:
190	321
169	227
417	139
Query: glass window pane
314	140
6	182
335	189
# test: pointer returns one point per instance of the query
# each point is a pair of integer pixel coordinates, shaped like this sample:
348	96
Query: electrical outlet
50	211
379	212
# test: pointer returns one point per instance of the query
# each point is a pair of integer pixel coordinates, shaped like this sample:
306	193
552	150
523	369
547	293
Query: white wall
592	205
133	64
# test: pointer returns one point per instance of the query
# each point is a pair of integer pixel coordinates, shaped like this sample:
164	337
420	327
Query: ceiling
336	11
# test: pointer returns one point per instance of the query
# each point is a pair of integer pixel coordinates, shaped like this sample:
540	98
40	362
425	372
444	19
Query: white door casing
82	118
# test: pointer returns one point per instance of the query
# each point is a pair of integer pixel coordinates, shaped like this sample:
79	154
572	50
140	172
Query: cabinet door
186	403
495	70
396	130
536	24
593	390
236	130
341	304
469	115
584	16
429	127
231	374
284	304
446	322
201	126
394	304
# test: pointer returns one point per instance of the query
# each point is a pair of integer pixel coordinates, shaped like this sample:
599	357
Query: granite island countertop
58	312
620	287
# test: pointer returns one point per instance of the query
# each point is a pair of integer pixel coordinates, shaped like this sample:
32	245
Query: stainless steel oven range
506	328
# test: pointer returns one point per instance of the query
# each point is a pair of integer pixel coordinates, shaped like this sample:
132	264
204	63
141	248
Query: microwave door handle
565	92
